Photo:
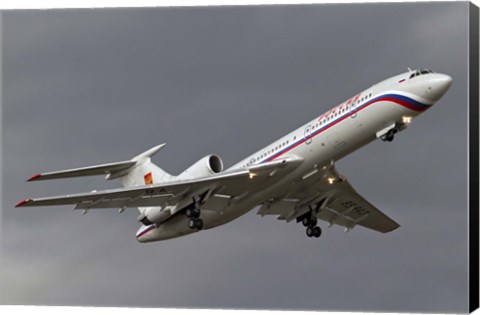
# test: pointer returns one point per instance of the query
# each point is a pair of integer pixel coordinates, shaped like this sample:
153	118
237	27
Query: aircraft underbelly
318	151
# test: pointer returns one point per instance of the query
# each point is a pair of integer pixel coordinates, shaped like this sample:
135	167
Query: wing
233	184
330	196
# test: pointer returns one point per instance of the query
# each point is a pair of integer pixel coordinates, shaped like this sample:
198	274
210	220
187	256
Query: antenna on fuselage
409	70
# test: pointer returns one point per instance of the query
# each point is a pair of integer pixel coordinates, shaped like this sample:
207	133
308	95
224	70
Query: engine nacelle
155	215
210	164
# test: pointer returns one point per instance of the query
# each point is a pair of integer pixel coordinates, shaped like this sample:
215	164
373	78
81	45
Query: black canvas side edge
473	158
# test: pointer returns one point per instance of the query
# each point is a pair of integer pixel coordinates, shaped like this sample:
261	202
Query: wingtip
393	228
23	202
34	177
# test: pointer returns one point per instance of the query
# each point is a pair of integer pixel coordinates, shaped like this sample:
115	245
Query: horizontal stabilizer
103	169
111	170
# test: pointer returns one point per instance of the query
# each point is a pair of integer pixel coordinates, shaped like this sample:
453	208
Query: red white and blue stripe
399	99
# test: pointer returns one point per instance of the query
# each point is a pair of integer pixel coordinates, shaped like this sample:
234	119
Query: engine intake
208	165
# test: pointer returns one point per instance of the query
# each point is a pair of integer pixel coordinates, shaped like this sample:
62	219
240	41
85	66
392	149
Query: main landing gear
193	214
312	229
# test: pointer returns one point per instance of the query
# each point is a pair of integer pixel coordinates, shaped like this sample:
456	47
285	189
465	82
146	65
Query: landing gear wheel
192	212
192	223
389	135
199	224
196	213
309	221
310	231
306	221
195	224
317	231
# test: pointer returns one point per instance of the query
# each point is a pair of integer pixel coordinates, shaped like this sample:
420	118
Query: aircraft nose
437	85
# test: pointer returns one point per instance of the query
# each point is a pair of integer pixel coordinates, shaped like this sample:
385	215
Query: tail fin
144	172
138	171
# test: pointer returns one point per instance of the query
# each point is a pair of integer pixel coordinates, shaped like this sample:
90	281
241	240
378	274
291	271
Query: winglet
23	202
34	177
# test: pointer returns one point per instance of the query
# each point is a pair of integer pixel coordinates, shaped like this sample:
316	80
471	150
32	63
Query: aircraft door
353	110
308	134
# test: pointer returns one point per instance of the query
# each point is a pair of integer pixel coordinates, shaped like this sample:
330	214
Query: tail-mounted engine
208	165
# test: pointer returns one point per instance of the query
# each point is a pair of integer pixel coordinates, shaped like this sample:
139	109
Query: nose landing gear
389	135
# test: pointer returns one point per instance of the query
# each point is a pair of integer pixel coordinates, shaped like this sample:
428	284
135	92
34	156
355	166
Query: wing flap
358	211
337	201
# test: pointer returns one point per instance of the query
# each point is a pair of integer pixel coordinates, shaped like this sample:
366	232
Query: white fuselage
325	139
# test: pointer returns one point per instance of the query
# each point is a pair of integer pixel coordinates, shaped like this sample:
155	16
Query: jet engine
153	215
207	165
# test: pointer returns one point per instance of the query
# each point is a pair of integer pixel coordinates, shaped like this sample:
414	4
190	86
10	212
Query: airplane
294	178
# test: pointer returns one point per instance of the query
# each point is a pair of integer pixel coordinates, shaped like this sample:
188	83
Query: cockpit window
421	72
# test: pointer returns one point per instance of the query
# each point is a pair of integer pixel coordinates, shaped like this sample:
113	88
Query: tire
313	221
196	213
309	231
317	231
305	221
199	224
391	135
192	223
189	213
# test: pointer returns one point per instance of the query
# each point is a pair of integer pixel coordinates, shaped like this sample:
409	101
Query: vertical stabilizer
144	172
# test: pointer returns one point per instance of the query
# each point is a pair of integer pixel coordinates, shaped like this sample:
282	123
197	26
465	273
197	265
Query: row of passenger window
314	128
271	151
343	110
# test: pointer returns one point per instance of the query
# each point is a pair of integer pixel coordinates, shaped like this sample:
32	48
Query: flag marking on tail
148	179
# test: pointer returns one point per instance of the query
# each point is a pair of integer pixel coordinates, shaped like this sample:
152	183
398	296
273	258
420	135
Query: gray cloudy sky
85	87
